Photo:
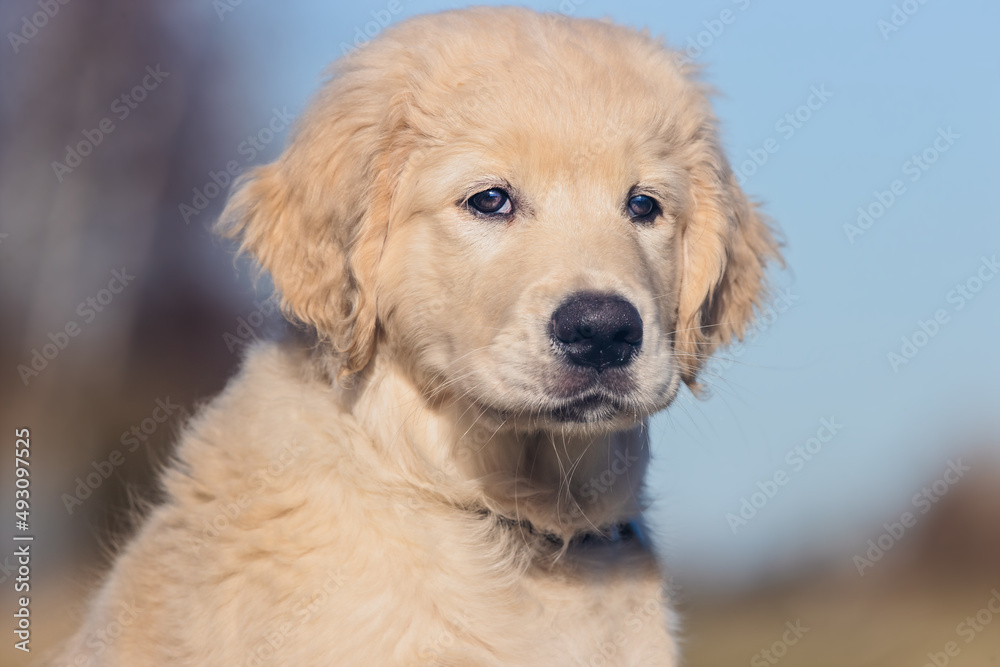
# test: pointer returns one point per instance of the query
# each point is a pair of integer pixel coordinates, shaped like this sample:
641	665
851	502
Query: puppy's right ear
316	218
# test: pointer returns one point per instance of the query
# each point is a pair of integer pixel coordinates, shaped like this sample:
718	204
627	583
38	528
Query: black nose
597	330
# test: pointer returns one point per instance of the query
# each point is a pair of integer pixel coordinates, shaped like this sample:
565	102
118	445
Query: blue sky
887	95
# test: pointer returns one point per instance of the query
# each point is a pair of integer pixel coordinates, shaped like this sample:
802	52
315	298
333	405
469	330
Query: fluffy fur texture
412	487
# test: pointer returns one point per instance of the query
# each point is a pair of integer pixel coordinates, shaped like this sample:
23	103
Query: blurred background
834	500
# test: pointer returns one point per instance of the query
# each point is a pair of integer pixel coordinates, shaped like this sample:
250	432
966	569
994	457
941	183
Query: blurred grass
851	624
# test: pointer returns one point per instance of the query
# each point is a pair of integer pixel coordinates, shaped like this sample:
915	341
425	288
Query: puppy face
529	213
534	264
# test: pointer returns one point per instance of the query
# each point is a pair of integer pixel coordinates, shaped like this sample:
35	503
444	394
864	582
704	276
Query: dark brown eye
491	202
641	207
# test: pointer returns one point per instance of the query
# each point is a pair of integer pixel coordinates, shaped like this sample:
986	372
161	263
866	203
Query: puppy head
529	213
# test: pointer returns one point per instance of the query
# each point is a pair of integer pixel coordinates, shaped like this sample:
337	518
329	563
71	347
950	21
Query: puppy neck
563	482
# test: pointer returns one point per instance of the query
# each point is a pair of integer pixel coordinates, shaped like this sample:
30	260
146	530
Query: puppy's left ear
726	246
317	218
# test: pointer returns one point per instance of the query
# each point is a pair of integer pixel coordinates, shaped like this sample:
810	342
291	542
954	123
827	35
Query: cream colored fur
339	503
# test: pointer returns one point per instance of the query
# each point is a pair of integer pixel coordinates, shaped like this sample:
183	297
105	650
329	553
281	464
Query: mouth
589	408
595	406
579	394
608	399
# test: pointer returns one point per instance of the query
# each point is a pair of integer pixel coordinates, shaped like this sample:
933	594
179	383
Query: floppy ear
726	246
316	219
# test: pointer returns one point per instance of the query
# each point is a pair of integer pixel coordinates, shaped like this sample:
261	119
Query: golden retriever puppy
511	237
